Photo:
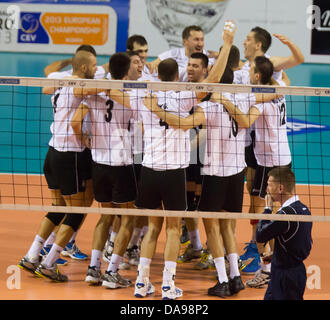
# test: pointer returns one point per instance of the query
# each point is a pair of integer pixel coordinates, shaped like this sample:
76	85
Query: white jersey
165	148
63	137
272	147
241	76
225	143
179	55
277	75
244	76
111	142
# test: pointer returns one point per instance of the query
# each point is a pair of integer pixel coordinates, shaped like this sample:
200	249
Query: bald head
84	64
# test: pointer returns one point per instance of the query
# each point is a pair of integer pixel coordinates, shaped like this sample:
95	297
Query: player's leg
149	197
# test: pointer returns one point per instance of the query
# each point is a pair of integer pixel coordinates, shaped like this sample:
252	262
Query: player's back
111	142
64	106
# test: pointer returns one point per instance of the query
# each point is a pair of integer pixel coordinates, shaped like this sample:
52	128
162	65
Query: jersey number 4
108	116
282	114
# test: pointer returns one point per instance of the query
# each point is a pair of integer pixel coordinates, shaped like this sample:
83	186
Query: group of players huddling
196	150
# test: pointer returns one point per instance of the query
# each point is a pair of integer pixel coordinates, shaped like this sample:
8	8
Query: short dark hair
234	57
265	67
168	70
284	176
119	65
186	31
263	36
132	53
88	48
201	56
135	38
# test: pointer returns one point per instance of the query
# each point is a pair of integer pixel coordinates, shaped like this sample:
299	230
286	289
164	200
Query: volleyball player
256	44
193	41
138	43
67	170
113	173
271	143
54	71
223	181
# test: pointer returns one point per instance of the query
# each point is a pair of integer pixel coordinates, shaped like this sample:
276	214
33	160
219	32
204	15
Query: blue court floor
25	117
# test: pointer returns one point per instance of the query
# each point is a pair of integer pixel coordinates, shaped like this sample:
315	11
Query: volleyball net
26	115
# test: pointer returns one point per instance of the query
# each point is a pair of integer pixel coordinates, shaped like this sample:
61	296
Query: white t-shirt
63	137
272	147
179	55
111	141
225	143
165	148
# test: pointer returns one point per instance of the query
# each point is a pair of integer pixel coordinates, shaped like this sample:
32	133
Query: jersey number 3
108	116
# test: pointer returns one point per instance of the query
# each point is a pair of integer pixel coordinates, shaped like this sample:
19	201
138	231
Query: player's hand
267	257
269	201
229	32
86	140
152	66
150	102
285	40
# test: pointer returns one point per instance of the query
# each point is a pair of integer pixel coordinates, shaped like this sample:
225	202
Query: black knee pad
55	217
73	220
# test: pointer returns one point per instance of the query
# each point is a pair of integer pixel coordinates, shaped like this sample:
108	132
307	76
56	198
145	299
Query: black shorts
259	187
167	186
193	173
67	171
250	158
222	193
114	183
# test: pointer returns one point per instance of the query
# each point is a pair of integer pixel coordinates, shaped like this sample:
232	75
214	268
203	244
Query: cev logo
29	23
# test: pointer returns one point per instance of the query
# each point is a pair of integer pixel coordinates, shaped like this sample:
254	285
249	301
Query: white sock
50	240
34	251
110	231
113	236
114	263
144	262
265	267
169	270
195	239
221	269
135	237
144	231
73	238
96	258
234	271
52	256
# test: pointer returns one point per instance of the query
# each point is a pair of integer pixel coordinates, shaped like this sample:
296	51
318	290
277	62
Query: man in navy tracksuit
293	240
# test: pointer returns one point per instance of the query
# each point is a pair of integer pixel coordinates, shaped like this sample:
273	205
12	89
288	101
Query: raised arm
177	122
283	63
216	72
57	66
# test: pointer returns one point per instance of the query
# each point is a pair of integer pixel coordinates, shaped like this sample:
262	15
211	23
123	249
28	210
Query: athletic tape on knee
73	220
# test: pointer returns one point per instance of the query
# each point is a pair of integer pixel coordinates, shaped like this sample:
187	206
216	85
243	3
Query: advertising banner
58	26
